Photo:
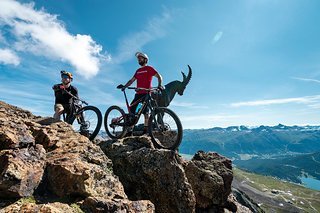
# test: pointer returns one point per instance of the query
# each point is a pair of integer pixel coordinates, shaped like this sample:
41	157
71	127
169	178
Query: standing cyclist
62	99
143	75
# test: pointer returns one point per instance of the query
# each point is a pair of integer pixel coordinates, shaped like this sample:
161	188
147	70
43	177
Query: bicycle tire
115	112
92	126
165	129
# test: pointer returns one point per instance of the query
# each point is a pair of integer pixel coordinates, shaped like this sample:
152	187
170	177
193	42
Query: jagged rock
45	208
237	207
46	136
73	165
210	176
14	133
98	204
151	174
7	110
21	171
69	175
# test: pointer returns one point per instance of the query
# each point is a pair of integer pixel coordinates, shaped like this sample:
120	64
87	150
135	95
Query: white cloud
299	100
307	79
154	29
217	37
41	33
9	57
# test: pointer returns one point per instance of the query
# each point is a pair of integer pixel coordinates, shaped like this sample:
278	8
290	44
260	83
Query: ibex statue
172	88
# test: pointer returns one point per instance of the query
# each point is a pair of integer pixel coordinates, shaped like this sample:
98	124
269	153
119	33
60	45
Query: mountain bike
164	126
86	120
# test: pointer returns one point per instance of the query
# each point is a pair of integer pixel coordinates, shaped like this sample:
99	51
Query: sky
254	62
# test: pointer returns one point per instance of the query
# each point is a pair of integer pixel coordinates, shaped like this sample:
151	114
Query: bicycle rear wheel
165	129
87	121
115	122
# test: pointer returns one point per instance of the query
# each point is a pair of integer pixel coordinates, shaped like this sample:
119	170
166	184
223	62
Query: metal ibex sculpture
172	88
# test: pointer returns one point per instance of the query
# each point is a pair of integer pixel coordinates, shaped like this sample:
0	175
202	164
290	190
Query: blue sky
254	62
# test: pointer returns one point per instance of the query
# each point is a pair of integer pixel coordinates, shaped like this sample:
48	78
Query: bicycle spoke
165	129
88	122
114	122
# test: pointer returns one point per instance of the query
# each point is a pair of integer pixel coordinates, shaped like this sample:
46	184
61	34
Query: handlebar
152	89
145	89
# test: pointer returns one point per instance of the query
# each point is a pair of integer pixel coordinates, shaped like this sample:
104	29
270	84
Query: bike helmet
143	55
69	74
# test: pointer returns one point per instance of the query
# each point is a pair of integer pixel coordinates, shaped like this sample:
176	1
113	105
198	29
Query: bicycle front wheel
87	121
165	129
115	122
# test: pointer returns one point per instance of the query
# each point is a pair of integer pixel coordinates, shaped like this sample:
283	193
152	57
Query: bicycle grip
120	86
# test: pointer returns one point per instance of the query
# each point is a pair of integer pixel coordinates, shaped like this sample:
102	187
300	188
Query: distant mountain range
240	142
286	152
279	127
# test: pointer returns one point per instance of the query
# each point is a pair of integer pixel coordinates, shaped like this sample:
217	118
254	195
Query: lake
311	183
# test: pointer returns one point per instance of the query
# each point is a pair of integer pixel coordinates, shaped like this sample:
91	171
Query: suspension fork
127	103
79	117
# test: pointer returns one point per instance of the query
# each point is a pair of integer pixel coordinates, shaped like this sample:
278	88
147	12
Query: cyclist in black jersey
62	98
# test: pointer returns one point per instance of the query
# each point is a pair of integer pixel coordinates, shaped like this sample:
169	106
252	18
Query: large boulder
82	169
210	175
152	174
14	133
21	171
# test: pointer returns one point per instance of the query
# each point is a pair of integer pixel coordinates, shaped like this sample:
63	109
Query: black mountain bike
164	126
86	120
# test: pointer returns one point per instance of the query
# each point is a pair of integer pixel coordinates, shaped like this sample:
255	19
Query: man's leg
58	108
146	120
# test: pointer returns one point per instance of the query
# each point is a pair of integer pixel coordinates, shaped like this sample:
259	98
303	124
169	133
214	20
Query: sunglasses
64	76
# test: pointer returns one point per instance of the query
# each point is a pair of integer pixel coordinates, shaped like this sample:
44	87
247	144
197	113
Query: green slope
287	168
274	195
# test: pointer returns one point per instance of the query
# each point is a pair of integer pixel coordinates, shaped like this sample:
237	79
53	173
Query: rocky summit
47	167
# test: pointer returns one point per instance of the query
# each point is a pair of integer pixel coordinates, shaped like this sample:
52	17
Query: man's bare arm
130	82
159	77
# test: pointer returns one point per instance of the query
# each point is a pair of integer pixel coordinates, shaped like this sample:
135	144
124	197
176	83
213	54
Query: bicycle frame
147	102
74	110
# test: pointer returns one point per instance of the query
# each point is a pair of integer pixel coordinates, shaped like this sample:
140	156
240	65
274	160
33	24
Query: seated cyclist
63	100
143	75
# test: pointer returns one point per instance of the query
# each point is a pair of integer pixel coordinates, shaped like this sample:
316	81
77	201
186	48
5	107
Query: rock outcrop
210	176
166	179
47	167
152	174
53	161
21	171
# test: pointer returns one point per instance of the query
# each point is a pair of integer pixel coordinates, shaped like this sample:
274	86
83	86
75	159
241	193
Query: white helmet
142	55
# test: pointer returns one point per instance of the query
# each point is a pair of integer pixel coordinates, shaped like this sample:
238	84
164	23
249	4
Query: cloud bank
155	28
306	79
299	100
42	34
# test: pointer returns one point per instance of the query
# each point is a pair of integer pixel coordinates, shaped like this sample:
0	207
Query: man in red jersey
143	75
